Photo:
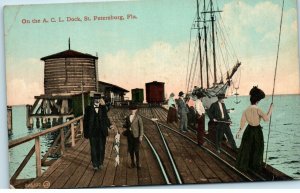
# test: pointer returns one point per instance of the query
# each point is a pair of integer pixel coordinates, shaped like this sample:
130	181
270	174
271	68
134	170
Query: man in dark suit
219	115
96	124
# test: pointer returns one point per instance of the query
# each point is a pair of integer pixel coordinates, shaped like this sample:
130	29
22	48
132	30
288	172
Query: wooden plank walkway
74	168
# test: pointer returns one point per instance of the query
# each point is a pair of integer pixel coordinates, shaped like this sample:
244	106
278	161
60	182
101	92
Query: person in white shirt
220	117
172	112
250	155
200	114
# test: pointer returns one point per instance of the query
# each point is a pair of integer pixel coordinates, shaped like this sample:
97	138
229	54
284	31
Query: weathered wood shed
68	78
70	72
113	93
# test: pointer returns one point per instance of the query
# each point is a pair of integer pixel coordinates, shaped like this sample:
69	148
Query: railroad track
225	157
161	149
180	159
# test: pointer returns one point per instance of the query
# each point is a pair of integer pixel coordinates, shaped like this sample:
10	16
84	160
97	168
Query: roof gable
69	54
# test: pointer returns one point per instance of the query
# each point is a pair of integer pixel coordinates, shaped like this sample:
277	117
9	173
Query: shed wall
64	75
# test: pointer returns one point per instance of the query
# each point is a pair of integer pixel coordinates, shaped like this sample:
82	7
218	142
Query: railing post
62	141
73	134
81	127
38	157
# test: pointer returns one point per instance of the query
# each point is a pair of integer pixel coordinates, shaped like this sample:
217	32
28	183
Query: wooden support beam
34	105
9	120
22	165
81	127
52	116
73	134
38	157
62	141
51	149
21	140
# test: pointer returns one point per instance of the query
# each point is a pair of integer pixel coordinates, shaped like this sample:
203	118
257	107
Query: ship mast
213	40
199	44
205	47
212	16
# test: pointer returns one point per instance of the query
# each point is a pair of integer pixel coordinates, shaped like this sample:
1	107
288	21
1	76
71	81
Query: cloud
253	31
166	63
24	80
261	71
20	91
255	28
160	62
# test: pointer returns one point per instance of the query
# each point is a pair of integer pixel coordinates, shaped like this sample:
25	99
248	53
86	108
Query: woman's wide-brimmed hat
257	93
172	95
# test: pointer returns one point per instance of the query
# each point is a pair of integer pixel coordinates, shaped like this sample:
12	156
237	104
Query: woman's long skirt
172	115
201	129
250	155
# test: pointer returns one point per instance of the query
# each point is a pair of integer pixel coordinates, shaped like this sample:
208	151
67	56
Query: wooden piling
38	157
29	123
9	120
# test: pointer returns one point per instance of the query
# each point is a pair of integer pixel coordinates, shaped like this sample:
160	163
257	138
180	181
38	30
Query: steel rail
163	170
207	150
166	146
169	155
226	153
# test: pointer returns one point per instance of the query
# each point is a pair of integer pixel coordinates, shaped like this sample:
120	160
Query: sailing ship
212	55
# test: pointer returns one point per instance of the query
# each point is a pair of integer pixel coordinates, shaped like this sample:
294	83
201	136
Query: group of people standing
180	109
250	152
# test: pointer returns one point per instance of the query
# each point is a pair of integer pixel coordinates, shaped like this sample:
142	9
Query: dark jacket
96	124
182	107
214	112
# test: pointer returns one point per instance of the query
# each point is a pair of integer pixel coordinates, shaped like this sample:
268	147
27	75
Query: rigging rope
187	68
192	66
274	81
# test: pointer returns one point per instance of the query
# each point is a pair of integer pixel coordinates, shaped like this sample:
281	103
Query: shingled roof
69	54
114	87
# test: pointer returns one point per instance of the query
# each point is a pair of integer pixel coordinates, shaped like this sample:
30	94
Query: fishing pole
228	122
274	81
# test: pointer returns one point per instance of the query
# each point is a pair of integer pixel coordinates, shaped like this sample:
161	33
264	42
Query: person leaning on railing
250	155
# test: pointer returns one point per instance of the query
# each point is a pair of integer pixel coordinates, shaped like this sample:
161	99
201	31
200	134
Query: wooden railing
73	126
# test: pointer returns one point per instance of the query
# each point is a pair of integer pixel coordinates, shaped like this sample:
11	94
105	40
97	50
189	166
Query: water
284	143
18	153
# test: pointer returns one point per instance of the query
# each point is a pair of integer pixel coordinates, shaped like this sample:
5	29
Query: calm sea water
284	142
18	153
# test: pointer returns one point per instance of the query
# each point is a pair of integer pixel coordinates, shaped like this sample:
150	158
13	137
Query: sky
152	46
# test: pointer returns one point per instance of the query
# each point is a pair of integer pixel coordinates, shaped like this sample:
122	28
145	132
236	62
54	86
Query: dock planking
74	169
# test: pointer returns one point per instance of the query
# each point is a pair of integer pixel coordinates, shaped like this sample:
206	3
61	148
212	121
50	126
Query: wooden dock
194	164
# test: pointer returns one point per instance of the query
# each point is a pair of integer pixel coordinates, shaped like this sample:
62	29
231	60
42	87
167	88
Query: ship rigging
212	62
